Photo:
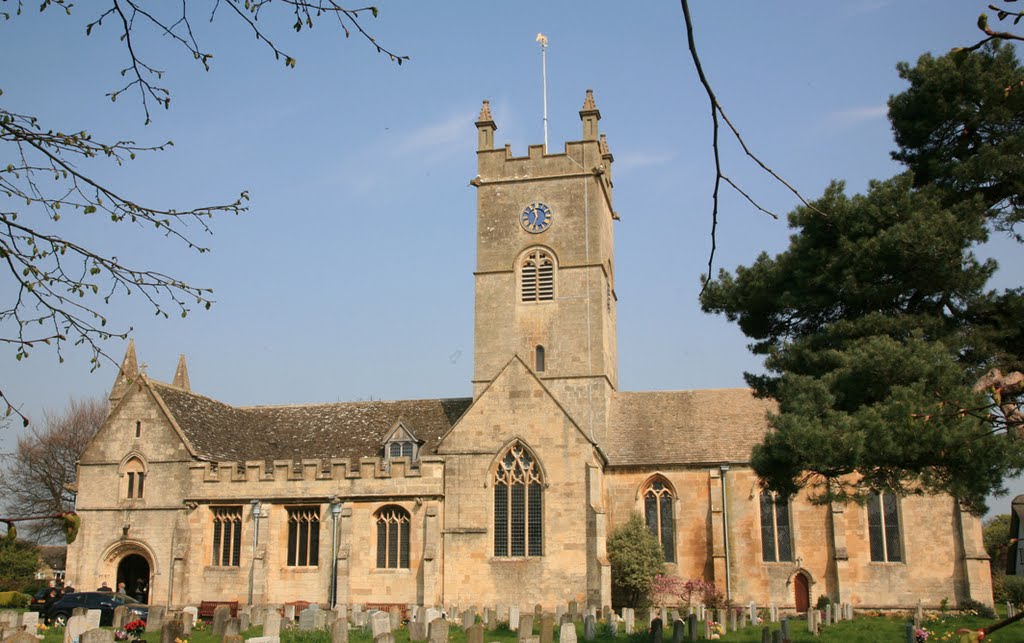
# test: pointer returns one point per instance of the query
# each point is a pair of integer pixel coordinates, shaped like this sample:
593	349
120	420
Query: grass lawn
864	629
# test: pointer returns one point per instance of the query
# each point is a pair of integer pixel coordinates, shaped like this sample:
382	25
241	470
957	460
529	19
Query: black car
60	611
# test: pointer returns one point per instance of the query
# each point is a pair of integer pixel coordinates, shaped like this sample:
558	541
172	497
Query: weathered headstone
628	619
221	614
429	614
525	626
574	609
663	615
589	627
417	631
491	618
547	627
559	612
656	633
785	628
613	626
691	626
155	618
186	622
380	623
232	627
244	621
307	617
272	624
752	614
732	620
20	637
395	615
723	620
743	619
170	631
341	611
437	631
76	611
766	635
910	630
193	610
678	631
74	628
567	633
513	618
30	621
468	619
120	616
96	635
475	633
339	631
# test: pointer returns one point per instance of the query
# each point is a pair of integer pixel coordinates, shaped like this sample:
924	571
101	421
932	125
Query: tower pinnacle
590	115
128	373
181	375
485	128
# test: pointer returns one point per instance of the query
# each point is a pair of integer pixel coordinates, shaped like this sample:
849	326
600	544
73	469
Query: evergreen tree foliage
636	557
19	561
875	325
960	125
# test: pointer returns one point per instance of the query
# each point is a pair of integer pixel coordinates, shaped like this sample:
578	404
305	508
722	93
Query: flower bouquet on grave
135	629
921	635
120	635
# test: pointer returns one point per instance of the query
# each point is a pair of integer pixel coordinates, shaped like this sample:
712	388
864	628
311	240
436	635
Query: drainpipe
725	530
255	541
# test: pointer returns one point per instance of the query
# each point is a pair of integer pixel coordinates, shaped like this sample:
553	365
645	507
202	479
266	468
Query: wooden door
802	592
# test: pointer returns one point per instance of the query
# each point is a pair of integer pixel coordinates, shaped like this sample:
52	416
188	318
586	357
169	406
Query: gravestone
678	631
380	623
272	624
120	616
589	627
155	619
547	628
607	614
743	619
628	619
8	618
525	626
691	623
559	612
613	626
289	612
513	618
417	631
96	635
221	614
92	618
30	621
910	632
766	635
429	614
663	615
491	618
753	612
194	611
395	615
170	631
19	637
574	610
538	611
723	620
231	627
656	633
673	616
307	617
777	636
244	621
567	633
186	622
339	631
785	628
732	620
437	631
475	633
74	628
341	611
468	619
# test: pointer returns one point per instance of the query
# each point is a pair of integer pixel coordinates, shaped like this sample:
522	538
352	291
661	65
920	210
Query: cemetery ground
864	628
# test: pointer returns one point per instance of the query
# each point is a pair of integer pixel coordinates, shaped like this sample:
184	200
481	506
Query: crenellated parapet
309	477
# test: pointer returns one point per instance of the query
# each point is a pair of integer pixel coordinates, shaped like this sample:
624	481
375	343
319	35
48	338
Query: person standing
104	588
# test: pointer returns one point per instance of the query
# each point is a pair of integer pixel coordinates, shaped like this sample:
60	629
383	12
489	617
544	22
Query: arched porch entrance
133	571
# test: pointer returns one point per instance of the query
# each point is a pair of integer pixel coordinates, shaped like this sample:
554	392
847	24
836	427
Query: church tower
545	273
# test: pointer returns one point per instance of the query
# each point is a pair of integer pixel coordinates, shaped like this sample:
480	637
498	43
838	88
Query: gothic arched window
659	516
537	274
518	504
392	538
135	476
538	359
776	534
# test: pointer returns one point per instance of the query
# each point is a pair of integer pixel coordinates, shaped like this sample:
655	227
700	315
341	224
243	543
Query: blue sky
351	275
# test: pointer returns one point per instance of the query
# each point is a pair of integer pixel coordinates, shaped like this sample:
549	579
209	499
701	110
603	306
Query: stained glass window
303	536
227	536
776	533
392	538
518	505
659	516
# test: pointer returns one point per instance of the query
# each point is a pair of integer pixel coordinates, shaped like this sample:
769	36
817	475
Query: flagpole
543	40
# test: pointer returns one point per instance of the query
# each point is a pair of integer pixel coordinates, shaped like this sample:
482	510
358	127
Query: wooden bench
206	608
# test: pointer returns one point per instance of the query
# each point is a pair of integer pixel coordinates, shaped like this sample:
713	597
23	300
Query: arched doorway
133	571
801	592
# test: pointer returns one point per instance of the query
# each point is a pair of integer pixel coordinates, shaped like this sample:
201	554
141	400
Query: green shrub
984	611
823	602
1013	589
14	599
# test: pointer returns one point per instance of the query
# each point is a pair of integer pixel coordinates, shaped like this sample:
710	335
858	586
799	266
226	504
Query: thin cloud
856	115
634	160
446	132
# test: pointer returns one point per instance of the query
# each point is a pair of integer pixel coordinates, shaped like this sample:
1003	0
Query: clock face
536	218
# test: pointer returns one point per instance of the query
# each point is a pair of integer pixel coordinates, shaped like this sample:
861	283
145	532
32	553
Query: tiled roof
685	427
341	430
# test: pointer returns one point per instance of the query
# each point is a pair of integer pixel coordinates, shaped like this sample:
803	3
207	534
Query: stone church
507	496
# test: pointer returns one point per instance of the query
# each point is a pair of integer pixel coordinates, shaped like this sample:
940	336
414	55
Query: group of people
57	592
139	594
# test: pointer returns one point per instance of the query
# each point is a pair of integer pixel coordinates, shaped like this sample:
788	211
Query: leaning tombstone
437	631
289	612
244	621
171	631
221	614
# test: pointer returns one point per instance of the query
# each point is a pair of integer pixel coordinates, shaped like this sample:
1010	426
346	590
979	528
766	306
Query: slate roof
709	426
342	430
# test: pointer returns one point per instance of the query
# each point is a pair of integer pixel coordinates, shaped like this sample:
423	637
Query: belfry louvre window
392	538
303	536
518	505
884	528
227	536
776	534
538	276
659	517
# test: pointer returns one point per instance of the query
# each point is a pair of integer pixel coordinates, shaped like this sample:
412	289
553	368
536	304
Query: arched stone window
518	504
134	471
392	538
539	358
659	515
776	533
537	276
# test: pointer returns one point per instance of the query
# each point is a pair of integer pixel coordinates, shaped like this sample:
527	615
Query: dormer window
401	443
